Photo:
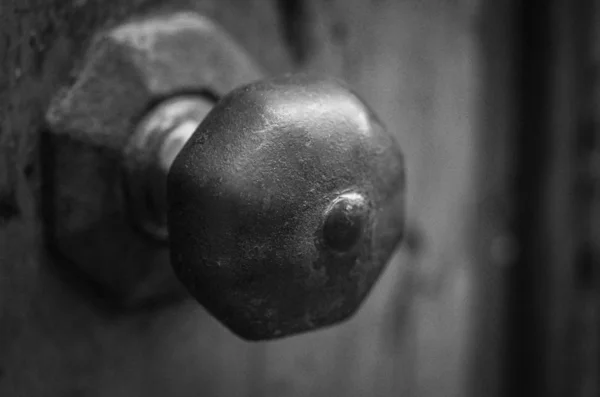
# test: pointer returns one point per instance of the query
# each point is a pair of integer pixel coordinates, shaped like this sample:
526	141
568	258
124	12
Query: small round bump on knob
345	222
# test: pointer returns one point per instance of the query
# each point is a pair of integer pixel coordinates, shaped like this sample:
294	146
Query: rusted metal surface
250	206
127	70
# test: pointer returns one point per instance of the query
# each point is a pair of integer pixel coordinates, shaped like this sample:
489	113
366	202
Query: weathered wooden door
419	64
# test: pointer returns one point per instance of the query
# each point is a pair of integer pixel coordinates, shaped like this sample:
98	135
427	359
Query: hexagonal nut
130	67
126	71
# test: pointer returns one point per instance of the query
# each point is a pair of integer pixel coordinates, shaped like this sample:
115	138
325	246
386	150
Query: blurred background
495	291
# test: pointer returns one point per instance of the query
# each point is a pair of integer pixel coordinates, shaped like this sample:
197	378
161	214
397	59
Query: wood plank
493	237
551	210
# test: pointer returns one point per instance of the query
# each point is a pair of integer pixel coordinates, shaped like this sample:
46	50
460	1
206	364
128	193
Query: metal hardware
97	122
285	206
152	149
134	65
284	197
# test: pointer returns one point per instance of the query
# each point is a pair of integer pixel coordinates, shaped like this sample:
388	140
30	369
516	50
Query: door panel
413	61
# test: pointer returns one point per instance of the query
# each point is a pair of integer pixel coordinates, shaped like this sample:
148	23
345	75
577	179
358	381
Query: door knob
281	199
284	206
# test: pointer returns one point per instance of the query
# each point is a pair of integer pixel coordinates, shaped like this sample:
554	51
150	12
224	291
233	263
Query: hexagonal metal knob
284	206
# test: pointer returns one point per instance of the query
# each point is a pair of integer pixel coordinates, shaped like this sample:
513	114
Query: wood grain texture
414	61
554	327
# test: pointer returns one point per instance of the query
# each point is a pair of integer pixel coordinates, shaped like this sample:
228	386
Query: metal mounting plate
126	71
